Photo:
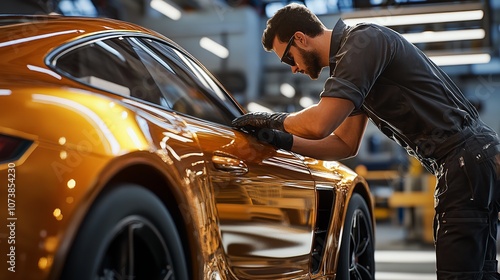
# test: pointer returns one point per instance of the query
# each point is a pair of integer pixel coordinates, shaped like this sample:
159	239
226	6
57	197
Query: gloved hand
261	120
277	138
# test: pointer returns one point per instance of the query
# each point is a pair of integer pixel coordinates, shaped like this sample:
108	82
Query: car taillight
12	148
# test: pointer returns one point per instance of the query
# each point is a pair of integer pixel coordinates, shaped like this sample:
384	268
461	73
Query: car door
265	197
265	200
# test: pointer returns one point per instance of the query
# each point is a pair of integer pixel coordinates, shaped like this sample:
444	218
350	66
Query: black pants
467	201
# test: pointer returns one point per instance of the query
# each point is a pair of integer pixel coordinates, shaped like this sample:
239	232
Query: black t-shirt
402	91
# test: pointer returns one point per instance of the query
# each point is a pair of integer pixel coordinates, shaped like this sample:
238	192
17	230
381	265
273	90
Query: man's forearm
328	148
319	120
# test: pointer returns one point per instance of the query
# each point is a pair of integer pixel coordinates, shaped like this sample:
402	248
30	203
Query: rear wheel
356	258
128	234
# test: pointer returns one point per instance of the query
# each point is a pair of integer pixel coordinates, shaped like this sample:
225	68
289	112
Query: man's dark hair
288	20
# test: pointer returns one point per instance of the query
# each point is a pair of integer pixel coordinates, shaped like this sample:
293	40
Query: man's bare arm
341	144
320	120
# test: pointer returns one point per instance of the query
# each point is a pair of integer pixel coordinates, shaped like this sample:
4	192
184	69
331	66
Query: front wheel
356	258
127	234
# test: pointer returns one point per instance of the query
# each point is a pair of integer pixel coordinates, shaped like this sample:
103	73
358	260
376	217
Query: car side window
112	65
196	74
178	91
129	67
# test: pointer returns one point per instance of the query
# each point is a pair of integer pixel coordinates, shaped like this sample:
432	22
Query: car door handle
229	164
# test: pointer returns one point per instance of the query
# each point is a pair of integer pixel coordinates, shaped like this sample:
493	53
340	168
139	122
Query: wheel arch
156	182
343	194
362	188
123	170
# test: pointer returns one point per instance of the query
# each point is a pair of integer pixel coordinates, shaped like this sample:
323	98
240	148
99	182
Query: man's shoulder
367	26
369	29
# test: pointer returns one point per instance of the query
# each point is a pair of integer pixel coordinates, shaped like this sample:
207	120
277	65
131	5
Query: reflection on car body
126	165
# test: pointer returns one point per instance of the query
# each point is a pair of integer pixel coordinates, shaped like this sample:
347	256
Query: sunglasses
285	58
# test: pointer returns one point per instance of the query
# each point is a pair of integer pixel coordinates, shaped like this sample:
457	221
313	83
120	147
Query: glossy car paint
244	209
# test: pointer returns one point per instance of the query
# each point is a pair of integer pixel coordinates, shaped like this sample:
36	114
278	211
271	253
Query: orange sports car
118	161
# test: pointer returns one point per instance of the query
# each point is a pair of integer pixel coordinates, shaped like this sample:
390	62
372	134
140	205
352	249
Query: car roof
16	30
29	39
61	28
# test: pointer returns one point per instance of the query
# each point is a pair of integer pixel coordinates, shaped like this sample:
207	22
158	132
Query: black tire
356	258
127	234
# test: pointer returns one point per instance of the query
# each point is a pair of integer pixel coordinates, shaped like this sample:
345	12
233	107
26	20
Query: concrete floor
398	258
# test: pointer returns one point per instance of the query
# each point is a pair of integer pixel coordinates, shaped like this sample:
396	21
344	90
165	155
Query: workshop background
225	35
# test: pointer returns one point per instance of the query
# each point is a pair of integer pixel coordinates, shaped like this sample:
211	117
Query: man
376	74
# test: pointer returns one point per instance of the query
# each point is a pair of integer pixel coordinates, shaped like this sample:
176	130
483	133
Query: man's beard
313	67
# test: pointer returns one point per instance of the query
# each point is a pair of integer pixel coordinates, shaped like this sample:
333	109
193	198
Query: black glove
261	120
277	138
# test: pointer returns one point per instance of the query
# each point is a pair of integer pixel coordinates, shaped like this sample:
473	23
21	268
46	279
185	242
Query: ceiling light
443	36
166	9
462	59
214	47
392	20
306	101
287	90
